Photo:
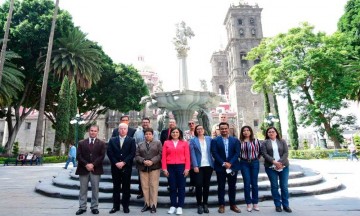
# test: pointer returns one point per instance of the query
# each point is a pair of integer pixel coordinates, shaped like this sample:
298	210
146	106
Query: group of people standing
178	153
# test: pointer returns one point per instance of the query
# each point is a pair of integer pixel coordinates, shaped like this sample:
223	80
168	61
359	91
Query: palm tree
11	80
6	36
77	58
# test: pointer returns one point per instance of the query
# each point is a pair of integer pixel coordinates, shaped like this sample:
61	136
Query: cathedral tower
244	31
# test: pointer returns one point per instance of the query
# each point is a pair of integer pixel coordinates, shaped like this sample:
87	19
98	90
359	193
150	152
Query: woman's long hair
242	138
181	137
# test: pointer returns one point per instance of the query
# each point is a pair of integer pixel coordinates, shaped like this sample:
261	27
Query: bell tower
244	31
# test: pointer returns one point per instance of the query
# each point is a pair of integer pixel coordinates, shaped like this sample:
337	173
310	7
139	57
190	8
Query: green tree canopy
311	65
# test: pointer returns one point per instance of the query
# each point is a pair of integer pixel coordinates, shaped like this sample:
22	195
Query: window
243	61
253	32
255	103
256	123
219	64
27	125
252	21
241	32
221	89
240	22
257	61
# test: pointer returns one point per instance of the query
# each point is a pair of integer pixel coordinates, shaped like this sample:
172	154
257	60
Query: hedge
313	153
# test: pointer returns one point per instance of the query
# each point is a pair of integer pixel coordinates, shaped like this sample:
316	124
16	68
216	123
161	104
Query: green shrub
54	159
15	150
305	144
312	154
356	139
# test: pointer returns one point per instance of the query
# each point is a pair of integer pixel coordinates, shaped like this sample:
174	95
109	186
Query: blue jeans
250	173
70	159
231	179
177	182
275	177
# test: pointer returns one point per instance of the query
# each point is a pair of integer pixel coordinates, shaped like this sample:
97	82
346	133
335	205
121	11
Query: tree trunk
14	129
6	36
324	121
39	126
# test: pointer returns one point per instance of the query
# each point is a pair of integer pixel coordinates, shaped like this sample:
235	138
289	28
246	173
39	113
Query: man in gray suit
90	156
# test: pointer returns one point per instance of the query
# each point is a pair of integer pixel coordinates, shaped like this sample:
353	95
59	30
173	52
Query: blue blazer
195	152
218	152
125	154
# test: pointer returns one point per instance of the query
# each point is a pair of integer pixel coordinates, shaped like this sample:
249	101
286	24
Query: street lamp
77	120
271	119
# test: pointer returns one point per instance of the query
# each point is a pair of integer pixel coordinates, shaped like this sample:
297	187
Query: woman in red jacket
176	166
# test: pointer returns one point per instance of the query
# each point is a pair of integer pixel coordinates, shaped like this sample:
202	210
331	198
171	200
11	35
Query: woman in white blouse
275	152
202	164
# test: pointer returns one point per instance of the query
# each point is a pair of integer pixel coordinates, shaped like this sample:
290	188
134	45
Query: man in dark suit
121	152
90	156
131	131
165	134
225	150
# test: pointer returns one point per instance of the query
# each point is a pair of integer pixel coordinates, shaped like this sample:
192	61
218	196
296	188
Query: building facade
230	68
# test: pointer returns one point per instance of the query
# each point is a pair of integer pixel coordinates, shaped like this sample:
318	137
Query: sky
127	29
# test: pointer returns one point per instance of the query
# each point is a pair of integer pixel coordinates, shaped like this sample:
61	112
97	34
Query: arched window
221	89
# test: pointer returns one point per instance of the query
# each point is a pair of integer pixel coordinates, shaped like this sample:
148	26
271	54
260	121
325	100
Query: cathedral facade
230	68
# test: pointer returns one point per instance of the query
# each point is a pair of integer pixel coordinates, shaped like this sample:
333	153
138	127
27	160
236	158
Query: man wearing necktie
121	152
90	156
225	150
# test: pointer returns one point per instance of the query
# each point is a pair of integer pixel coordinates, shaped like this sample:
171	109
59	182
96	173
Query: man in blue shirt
71	156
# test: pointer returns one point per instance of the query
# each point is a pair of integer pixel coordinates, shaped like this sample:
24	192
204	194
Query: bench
338	154
8	161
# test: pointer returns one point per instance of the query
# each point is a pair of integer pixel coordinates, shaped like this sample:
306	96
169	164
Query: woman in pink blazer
176	165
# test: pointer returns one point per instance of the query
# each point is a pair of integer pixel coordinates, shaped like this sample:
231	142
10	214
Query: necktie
121	142
147	146
91	145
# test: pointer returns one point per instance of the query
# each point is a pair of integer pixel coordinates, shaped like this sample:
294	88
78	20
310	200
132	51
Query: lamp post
271	119
77	120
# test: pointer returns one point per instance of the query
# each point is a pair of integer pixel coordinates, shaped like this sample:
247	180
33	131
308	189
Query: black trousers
202	184
121	182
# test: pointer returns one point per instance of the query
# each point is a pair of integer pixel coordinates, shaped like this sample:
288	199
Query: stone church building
230	68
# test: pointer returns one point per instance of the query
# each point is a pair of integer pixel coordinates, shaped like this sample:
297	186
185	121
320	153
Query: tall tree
39	125
77	58
310	64
277	123
11	83
349	24
63	116
264	125
292	131
29	33
72	111
6	36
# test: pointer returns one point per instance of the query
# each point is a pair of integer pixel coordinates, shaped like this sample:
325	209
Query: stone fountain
183	102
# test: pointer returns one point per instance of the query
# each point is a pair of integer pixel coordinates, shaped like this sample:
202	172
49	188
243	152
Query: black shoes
200	209
287	209
113	210
191	189
80	211
153	209
95	211
126	210
278	209
206	209
145	208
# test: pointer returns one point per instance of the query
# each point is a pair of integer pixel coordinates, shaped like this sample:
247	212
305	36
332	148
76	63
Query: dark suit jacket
164	135
96	157
130	133
268	153
125	154
219	155
153	154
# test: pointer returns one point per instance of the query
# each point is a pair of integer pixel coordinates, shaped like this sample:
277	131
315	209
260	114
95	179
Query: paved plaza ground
18	197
